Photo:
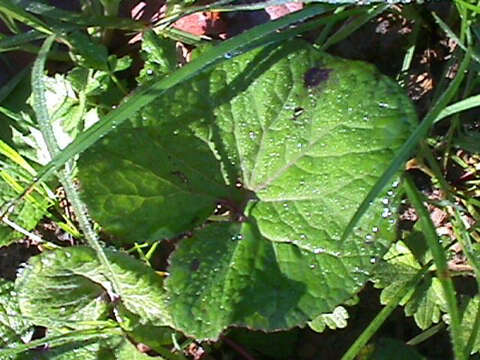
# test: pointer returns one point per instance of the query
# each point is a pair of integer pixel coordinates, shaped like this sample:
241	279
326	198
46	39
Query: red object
203	23
276	12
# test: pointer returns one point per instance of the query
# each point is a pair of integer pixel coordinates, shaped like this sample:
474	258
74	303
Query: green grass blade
474	334
20	39
402	155
351	27
17	13
12	115
462	105
453	36
263	4
474	8
440	259
375	324
41	111
13	155
80	20
39	99
209	58
299	29
425	335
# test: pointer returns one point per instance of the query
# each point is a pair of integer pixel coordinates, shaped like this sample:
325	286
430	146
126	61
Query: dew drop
386	213
312	266
385	201
303	236
375	229
228	55
369	237
237	237
318	251
373	260
176	132
390	193
149	72
252	135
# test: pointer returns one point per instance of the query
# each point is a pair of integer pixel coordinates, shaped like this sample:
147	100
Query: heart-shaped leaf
289	140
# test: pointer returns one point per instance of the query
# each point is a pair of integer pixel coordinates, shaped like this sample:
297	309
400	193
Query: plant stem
440	259
365	336
65	175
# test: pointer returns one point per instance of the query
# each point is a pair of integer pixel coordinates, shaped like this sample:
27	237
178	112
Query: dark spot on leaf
297	112
180	175
314	76
195	264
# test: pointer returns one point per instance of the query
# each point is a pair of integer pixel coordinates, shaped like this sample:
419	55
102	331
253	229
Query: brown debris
196	351
419	84
202	23
278	11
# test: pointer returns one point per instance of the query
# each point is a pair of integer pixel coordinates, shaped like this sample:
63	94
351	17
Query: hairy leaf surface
289	140
13	327
69	285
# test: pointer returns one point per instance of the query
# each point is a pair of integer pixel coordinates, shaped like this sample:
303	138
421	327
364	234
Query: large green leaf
304	135
151	187
69	286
